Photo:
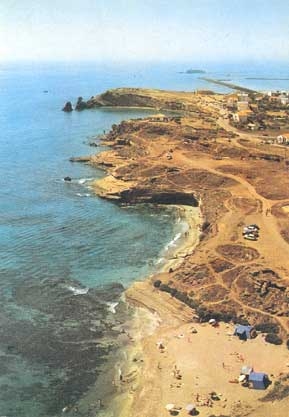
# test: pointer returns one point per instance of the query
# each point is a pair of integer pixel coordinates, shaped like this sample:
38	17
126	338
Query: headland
194	152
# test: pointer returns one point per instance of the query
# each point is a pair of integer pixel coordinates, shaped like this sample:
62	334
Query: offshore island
215	337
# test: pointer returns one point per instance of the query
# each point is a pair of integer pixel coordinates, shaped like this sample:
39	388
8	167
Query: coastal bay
59	240
144	214
62	248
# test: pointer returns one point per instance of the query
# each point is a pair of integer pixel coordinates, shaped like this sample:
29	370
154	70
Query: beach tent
243	332
259	380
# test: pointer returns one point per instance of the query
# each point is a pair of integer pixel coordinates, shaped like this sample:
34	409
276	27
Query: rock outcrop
67	107
149	195
146	98
80	159
80	105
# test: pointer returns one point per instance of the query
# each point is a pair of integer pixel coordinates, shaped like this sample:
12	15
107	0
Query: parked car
250	230
250	236
256	234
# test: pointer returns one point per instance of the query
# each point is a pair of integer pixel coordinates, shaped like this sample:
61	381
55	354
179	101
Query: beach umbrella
190	407
170	407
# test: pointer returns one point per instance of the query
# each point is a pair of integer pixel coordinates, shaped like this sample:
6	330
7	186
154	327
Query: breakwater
227	84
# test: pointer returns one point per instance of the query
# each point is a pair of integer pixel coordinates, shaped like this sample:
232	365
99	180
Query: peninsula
193	153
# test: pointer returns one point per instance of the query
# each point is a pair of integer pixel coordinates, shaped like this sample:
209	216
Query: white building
281	139
284	100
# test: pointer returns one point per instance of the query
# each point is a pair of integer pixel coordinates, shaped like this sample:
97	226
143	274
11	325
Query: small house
284	100
251	126
244	332
242	105
232	101
259	380
235	117
281	139
158	118
243	97
243	115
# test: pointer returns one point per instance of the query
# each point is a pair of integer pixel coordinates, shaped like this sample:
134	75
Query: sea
67	255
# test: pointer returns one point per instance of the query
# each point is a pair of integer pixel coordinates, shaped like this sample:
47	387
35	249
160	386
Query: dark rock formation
139	195
68	107
68	179
80	105
79	159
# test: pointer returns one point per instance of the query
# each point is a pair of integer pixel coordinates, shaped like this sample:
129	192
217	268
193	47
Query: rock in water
68	107
80	159
80	105
67	179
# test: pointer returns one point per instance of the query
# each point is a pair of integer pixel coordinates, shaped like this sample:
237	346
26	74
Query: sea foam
78	291
173	242
111	307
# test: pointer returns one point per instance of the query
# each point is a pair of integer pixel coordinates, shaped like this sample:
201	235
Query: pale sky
135	30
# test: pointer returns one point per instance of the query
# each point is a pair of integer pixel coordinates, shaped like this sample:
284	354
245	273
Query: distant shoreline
266	79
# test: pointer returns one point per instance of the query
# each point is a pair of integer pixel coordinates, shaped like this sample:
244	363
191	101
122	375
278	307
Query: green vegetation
273	338
279	391
267	328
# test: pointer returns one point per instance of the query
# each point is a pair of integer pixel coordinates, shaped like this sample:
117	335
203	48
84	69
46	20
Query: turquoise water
52	228
58	238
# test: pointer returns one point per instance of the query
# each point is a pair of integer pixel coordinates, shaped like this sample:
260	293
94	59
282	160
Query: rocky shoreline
199	161
164	162
141	98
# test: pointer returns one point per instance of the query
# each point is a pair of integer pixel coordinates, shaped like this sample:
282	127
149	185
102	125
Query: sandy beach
197	359
148	317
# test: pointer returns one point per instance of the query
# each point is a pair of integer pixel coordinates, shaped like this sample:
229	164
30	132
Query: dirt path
271	244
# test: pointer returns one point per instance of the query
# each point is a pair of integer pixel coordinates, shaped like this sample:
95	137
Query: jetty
229	85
